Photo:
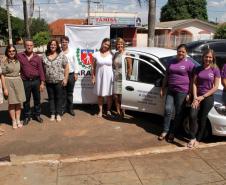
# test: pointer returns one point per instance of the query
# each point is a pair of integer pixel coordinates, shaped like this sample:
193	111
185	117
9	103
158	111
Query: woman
102	75
117	69
56	72
1	97
223	81
177	80
205	83
12	85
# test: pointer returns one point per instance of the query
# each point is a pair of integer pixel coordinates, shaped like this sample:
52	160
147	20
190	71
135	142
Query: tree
38	25
184	9
221	32
151	21
17	26
41	38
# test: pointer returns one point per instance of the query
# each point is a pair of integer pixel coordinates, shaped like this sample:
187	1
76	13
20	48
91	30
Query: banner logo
85	57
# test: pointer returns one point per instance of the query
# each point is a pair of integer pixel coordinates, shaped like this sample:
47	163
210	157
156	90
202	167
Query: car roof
200	42
158	52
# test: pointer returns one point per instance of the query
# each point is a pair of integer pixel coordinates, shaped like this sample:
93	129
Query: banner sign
84	41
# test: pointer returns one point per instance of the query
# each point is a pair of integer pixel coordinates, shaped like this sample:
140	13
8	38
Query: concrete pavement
206	166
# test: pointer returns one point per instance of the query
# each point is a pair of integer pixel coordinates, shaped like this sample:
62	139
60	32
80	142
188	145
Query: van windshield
165	60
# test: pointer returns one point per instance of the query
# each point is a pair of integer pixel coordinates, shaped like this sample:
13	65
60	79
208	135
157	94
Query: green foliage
38	25
220	32
41	38
184	9
17	26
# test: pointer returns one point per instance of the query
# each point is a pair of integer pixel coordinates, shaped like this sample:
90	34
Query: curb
57	158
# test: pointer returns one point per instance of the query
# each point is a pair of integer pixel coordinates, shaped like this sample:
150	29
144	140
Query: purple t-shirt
223	71
205	79
179	75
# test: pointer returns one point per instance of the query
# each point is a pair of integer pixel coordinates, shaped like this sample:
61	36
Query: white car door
141	91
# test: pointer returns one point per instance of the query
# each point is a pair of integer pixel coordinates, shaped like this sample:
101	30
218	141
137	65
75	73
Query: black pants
68	93
55	93
32	87
197	128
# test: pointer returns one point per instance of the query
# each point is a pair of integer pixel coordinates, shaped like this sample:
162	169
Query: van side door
141	91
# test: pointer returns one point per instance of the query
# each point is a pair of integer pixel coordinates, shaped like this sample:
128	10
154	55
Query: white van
141	91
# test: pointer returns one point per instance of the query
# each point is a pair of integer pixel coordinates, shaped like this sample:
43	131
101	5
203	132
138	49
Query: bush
221	32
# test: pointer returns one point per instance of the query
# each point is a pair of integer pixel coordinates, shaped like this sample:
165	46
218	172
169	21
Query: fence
172	42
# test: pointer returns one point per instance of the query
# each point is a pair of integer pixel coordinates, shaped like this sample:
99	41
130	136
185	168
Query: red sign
111	20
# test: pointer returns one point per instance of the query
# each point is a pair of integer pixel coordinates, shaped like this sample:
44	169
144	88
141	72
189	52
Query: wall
142	39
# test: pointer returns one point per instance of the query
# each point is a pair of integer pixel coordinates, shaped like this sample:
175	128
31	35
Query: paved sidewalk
205	166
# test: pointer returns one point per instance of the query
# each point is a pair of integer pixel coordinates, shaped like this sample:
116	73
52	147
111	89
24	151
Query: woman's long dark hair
105	40
58	49
7	51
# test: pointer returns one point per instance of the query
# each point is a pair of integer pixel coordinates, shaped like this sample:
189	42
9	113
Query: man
73	76
33	78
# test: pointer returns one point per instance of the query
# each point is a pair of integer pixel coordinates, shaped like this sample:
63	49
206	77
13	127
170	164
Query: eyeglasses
12	51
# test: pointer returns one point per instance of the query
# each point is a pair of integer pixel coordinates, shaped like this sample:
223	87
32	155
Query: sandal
19	124
99	115
15	124
191	144
170	138
162	136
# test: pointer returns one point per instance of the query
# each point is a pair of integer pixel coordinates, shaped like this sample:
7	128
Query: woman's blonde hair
119	40
207	51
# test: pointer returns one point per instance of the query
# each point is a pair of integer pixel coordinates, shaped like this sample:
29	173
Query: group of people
107	75
185	83
26	73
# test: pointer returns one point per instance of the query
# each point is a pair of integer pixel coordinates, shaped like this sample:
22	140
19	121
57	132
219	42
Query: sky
52	10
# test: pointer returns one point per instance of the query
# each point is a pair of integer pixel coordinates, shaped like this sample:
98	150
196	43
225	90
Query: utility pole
39	13
88	11
26	24
9	22
151	23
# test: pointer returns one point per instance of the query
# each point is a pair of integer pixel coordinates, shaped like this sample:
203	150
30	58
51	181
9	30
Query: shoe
15	124
162	136
38	119
108	113
19	124
71	112
170	138
118	116
52	118
26	121
58	118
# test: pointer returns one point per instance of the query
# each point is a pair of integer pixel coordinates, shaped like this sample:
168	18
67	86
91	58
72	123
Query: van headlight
221	109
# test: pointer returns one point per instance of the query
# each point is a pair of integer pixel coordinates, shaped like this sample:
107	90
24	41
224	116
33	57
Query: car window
218	47
165	60
152	61
143	72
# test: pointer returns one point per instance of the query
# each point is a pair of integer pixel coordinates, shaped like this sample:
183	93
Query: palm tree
27	21
151	21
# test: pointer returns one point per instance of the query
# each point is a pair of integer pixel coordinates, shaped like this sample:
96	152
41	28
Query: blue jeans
197	128
174	101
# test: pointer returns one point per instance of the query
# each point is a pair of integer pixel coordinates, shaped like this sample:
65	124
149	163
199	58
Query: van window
218	47
144	73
